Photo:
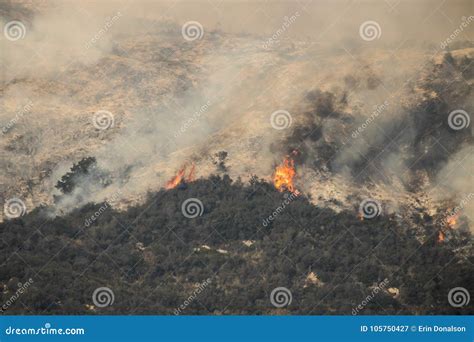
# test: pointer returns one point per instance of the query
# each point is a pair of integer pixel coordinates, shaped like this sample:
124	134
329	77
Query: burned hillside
157	151
411	125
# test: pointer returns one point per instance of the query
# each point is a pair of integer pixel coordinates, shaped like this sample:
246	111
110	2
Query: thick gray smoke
171	102
455	182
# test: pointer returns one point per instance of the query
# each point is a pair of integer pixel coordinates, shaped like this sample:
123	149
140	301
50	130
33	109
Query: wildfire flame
452	220
284	174
441	236
181	177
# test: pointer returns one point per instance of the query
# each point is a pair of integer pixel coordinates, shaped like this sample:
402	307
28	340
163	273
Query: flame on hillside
452	220
181	177
441	237
284	174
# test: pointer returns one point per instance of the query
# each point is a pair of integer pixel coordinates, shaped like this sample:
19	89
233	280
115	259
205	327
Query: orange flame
284	174
452	220
181	177
441	236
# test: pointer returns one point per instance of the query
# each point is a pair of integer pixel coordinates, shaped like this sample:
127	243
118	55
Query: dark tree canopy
152	256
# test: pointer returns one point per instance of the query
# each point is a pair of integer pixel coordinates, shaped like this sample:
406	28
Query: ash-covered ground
263	159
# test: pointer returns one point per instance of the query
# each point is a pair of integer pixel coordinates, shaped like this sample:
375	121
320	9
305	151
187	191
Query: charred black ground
152	256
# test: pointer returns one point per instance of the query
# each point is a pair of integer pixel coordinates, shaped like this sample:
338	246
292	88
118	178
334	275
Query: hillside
153	257
170	159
